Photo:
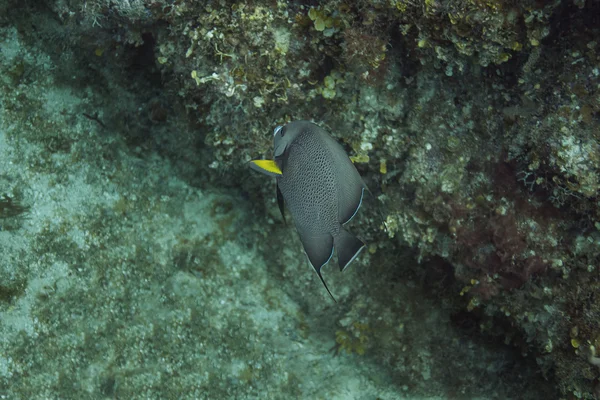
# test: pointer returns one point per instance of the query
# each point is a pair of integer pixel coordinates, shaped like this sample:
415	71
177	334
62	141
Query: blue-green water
140	257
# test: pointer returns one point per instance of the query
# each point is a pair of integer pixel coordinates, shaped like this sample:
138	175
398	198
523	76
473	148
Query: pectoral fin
267	167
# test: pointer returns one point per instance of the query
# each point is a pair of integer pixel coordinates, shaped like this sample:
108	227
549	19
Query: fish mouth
277	129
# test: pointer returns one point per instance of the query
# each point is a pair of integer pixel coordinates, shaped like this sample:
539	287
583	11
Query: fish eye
277	130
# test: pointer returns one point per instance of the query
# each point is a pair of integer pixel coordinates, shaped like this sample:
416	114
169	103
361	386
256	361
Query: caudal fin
348	247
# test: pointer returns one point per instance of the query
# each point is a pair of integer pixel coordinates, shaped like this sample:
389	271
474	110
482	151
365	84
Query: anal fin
319	250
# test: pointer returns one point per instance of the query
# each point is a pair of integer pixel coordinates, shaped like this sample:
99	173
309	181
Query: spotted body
321	188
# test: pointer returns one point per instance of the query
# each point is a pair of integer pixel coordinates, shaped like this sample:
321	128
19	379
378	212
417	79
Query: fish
321	188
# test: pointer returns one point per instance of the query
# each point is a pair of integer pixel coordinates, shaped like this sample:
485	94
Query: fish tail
348	247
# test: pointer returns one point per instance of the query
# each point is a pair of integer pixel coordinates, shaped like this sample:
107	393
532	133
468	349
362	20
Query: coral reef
474	123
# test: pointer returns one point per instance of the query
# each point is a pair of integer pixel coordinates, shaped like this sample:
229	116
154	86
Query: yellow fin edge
269	166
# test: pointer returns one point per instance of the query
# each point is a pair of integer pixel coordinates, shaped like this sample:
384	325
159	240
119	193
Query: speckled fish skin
322	190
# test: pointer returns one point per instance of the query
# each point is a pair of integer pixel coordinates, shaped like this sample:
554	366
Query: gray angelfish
322	190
